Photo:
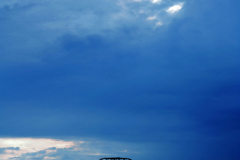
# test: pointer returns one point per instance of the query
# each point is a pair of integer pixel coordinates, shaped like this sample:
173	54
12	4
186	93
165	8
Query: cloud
151	18
156	1
175	8
16	147
158	24
103	70
42	148
40	23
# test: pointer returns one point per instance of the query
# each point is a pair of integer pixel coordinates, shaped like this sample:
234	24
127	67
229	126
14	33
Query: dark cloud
176	86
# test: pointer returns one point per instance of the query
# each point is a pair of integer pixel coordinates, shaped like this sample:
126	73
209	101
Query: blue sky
144	79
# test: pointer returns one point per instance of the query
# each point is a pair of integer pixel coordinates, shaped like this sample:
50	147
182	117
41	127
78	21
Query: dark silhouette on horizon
115	158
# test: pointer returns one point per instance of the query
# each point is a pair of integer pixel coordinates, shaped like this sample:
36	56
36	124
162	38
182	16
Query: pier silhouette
115	158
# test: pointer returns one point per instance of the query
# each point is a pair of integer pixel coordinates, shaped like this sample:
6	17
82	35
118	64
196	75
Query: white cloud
175	8
151	18
42	148
156	1
153	1
147	9
158	24
30	145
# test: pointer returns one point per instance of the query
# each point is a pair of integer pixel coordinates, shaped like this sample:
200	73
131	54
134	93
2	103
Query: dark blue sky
158	79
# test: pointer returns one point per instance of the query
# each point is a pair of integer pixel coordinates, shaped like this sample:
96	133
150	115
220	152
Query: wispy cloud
175	8
151	18
40	23
42	148
156	1
16	147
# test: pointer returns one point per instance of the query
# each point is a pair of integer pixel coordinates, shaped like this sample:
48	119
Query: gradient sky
143	79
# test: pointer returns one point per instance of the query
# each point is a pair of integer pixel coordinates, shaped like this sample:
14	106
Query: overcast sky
143	79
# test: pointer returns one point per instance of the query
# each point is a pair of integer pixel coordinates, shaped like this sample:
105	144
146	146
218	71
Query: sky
143	79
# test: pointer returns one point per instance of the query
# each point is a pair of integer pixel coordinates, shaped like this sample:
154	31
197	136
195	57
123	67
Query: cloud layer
15	148
39	23
155	79
35	148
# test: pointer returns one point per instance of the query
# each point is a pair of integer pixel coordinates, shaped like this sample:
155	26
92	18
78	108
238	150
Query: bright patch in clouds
148	9
16	147
158	24
78	18
151	18
175	8
153	1
156	1
42	148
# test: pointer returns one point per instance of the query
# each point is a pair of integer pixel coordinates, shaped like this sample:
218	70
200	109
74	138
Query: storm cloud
160	77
